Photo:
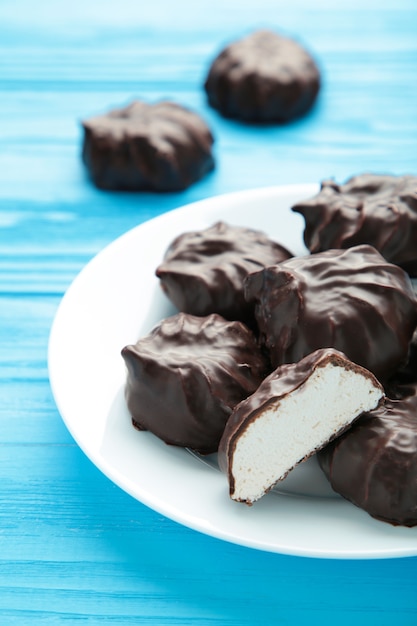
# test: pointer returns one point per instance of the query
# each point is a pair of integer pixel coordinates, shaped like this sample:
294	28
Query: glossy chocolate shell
187	375
368	209
263	77
374	464
351	300
157	147
203	271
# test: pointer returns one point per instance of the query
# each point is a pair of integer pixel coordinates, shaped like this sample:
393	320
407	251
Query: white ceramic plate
115	300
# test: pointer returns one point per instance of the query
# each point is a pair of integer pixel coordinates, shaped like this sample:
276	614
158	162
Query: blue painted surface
73	547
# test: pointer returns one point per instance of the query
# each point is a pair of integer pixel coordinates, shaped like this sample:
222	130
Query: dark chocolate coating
263	77
351	300
158	147
203	272
404	379
373	209
374	464
274	388
187	375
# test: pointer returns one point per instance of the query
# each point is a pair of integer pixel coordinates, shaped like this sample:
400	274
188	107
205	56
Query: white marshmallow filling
290	430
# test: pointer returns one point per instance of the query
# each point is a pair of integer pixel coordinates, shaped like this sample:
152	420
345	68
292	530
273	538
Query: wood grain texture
73	547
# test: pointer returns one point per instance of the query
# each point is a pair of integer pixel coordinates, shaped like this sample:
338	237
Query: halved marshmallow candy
296	411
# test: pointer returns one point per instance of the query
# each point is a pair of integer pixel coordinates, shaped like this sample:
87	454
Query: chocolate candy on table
352	300
156	147
368	209
296	411
263	77
374	464
187	375
203	271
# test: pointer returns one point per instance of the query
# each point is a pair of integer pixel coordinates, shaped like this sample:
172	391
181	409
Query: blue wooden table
74	548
